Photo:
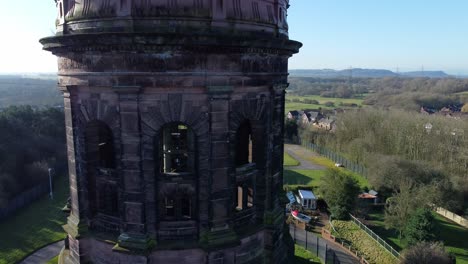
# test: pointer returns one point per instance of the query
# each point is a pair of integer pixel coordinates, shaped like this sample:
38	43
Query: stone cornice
150	42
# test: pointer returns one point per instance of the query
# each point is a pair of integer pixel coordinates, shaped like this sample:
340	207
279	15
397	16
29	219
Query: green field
302	106
455	238
35	226
453	235
295	178
290	161
328	163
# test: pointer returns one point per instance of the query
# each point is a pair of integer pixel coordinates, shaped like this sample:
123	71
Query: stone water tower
174	117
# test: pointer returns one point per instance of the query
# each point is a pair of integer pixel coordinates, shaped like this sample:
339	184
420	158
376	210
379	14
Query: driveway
44	254
297	152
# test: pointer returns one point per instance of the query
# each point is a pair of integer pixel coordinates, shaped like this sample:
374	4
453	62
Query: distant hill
364	73
36	90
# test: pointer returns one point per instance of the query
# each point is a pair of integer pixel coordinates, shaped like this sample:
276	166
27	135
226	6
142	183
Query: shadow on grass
294	178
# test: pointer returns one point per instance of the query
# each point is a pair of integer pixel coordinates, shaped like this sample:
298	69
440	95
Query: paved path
297	152
44	254
324	247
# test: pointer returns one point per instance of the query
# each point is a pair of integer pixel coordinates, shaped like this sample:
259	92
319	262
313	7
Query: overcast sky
337	34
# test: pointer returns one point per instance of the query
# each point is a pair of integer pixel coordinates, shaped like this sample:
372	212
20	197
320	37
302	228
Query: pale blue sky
336	34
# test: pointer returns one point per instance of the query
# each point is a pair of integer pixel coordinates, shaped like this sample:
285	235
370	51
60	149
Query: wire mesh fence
314	244
337	158
374	236
23	200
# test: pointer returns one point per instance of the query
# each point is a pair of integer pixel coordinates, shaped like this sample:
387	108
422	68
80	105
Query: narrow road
44	254
297	152
324	248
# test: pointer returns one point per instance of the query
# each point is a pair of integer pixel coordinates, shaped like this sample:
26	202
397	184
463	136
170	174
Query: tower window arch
100	160
177	149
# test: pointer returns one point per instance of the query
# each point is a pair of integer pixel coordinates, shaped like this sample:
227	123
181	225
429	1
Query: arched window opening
100	160
244	144
100	145
177	149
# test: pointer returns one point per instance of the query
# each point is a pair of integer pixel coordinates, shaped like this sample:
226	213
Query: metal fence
314	244
23	199
375	237
337	158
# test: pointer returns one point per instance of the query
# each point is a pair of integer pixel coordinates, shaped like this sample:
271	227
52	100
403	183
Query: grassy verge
372	251
311	178
328	163
290	161
453	235
34	226
455	238
53	260
302	256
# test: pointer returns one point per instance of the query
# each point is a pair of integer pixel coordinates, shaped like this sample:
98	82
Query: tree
290	129
426	253
465	108
420	227
340	190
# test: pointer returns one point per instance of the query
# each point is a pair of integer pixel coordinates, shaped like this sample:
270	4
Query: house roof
367	196
372	192
306	194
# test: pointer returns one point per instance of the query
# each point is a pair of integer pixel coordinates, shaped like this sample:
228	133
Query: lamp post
51	194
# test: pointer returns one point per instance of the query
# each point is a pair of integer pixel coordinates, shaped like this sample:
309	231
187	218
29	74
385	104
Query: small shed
308	199
370	196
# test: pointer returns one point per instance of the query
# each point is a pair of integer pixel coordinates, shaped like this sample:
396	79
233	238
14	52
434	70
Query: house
307	199
294	115
326	123
370	197
311	117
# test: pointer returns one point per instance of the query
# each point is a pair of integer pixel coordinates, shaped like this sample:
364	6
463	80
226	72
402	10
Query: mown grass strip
34	226
289	160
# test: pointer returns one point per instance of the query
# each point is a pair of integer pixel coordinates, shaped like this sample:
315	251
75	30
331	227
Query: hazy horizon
403	35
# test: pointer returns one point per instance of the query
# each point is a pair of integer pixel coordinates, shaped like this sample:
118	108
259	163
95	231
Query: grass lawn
389	235
455	238
323	161
310	178
453	235
303	106
34	226
290	161
302	256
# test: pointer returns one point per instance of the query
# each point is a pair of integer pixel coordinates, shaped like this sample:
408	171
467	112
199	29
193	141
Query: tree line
31	141
401	149
389	92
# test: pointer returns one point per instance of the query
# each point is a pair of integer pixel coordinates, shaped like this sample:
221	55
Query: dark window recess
100	154
177	153
244	144
169	206
186	206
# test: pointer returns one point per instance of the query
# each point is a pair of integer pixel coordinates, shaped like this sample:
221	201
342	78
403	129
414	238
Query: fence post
318	246
326	252
306	239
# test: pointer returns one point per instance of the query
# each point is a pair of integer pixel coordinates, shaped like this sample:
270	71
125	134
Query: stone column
221	186
76	221
133	234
